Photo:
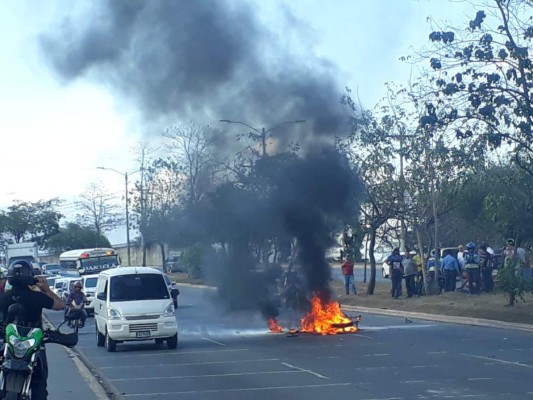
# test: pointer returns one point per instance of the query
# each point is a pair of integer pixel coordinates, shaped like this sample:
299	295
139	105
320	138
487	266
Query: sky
56	130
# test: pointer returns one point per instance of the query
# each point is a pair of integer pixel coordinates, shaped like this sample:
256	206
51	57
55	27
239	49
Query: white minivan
134	303
88	283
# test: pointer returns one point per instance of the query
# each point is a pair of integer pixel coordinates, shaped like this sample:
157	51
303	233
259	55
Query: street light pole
125	175
262	133
403	229
127	219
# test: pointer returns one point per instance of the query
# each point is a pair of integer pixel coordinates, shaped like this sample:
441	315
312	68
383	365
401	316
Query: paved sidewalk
68	377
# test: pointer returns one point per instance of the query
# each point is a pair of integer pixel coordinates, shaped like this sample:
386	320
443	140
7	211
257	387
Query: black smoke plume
205	60
197	60
307	198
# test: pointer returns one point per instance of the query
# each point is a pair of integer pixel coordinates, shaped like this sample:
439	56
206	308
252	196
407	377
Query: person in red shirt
347	272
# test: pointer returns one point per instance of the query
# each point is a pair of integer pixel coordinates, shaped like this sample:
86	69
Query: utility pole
125	175
403	229
127	220
261	134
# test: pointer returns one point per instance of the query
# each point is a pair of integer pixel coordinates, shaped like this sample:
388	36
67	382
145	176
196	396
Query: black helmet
20	273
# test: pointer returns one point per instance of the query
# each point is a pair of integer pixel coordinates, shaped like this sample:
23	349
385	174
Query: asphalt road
232	356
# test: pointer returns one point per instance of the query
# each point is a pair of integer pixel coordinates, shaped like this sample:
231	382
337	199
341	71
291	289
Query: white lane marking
186	364
213	341
171	353
410	326
409	382
292	387
479	379
304	370
436	352
363	336
376	355
154	378
497	360
392	367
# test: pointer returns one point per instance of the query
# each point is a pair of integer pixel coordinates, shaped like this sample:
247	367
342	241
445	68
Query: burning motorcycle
20	362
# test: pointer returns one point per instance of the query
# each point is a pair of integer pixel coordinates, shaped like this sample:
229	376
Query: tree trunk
143	247
162	248
372	281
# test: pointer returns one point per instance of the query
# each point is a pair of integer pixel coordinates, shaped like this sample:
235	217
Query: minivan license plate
143	334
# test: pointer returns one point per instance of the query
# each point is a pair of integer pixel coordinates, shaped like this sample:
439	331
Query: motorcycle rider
76	303
33	294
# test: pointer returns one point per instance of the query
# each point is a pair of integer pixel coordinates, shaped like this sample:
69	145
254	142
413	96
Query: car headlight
20	347
169	310
113	314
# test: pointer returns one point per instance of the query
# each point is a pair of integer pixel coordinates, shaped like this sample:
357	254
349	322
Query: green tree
36	222
74	236
482	79
371	149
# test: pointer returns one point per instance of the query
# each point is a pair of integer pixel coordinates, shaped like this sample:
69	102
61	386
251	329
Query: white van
134	303
88	283
63	286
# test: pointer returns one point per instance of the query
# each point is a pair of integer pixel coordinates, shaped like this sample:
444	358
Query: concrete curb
101	387
111	391
488	323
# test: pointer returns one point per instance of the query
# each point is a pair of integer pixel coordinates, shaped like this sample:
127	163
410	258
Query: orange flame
326	318
274	326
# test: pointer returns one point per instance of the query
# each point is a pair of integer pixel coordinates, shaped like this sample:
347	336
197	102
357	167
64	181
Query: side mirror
174	293
100	296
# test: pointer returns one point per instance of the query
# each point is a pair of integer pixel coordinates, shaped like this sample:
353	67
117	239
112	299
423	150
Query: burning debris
324	318
274	326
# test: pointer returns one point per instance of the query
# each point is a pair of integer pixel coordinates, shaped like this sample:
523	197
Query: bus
89	261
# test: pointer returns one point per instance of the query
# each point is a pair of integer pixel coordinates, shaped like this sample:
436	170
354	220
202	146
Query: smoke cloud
199	61
214	59
311	196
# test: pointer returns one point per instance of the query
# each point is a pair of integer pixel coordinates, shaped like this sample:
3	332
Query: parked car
172	263
385	270
134	303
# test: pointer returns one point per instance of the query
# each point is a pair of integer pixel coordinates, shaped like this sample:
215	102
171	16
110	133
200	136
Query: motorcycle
73	315
20	363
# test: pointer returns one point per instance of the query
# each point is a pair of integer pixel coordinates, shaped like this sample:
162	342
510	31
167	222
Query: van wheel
100	339
110	344
172	342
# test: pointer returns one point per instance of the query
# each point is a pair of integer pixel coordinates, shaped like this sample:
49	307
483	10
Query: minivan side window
138	287
101	289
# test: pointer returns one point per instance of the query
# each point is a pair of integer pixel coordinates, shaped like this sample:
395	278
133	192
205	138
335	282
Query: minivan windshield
90	282
138	287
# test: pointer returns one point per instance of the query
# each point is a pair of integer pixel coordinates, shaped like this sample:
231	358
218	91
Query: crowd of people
467	268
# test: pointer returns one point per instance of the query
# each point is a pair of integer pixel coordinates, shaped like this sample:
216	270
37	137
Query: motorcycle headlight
113	314
20	347
169	310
